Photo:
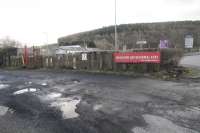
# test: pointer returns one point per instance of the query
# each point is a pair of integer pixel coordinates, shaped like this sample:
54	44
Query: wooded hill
129	34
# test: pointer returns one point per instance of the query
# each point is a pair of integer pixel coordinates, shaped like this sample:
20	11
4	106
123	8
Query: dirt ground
74	102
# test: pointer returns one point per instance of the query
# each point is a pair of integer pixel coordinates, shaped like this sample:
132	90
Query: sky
37	22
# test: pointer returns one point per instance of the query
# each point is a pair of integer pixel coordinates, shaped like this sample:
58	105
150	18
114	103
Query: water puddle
76	81
195	108
192	113
3	110
67	106
97	107
44	84
52	96
28	83
25	91
74	90
158	124
3	86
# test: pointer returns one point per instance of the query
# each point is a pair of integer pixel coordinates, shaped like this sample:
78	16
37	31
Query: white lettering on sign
84	57
189	40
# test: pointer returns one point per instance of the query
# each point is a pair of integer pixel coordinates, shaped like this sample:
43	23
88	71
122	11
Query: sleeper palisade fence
96	61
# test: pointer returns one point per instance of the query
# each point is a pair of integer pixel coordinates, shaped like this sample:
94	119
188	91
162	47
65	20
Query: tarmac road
191	61
74	102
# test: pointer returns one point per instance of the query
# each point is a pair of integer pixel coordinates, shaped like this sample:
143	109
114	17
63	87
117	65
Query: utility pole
47	50
46	36
116	38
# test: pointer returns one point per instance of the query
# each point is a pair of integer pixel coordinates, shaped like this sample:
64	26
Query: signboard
164	44
189	40
137	57
84	57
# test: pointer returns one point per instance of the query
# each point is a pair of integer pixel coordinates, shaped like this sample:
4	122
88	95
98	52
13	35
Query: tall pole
116	43
46	42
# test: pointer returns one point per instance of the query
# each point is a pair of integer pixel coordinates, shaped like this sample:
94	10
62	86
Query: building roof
74	49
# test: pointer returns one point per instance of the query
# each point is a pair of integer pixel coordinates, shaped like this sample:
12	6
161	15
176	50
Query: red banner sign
137	57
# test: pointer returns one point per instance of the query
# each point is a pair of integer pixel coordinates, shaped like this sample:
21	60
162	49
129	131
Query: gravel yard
75	102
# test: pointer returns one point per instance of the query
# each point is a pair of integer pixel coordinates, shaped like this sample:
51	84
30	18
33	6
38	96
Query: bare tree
8	42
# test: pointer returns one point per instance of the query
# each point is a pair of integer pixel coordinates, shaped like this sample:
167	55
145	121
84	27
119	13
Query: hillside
129	34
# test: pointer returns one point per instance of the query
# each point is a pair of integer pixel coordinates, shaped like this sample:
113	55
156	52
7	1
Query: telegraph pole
46	42
116	38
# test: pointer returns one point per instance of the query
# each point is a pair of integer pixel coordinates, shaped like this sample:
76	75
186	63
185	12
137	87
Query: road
74	102
191	61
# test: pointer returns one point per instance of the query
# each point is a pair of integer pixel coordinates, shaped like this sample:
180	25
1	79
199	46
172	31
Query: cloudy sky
35	22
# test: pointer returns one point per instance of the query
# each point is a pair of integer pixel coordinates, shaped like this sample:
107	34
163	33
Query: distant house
48	50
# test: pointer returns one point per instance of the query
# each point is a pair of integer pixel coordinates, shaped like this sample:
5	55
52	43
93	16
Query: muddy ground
74	102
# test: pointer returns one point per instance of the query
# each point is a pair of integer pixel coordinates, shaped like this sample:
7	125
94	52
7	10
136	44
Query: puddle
188	113
67	106
3	86
28	83
74	90
158	124
76	81
97	107
195	108
52	96
44	84
3	110
25	91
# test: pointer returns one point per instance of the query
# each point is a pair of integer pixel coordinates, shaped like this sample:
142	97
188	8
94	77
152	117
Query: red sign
137	57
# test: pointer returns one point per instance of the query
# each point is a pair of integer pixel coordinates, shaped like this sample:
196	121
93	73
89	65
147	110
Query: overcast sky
31	21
